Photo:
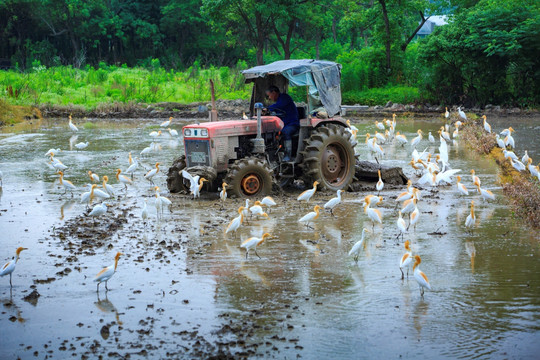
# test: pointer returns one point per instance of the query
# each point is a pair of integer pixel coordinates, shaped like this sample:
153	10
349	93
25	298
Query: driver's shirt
286	104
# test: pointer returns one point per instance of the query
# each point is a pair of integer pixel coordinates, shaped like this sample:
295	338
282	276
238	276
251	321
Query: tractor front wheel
329	157
249	177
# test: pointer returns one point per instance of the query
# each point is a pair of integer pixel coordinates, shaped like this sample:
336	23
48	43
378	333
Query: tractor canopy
322	79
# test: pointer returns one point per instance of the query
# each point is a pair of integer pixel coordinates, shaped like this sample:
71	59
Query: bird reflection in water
106	306
471	251
72	141
419	317
67	206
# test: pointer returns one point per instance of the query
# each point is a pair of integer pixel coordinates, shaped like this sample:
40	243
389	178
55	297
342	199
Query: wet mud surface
185	289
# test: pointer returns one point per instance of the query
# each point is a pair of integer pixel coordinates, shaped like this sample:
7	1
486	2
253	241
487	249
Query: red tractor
247	154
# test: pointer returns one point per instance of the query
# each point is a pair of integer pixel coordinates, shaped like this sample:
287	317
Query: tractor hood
234	127
322	78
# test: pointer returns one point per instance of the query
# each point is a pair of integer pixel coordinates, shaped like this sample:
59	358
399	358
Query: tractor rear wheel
329	157
175	181
249	177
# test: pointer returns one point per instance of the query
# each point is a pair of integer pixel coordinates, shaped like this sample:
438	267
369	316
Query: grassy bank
13	114
93	88
521	188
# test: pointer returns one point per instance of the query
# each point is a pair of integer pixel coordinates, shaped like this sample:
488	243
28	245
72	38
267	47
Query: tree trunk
422	22
260	38
388	37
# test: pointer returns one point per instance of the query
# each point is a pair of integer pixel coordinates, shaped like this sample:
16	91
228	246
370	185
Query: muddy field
185	289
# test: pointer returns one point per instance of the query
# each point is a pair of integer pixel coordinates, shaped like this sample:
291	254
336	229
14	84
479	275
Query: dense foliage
486	54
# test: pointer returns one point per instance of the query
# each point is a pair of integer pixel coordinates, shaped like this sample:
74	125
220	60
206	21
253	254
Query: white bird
461	188
93	176
71	126
244	116
68	185
380	184
401	225
332	203
405	260
253	242
409	205
57	164
107	272
133	167
532	169
173	132
415	215
146	150
510	155
166	123
52	151
487	127
525	158
162	200
355	250
374	215
417	139
509	140
518	165
82	145
461	113
236	222
9	267
446	113
471	218
154	134
123	179
308	194
486	194
98	211
223	192
500	142
257	209
446	176
88	196
101	194
507	132
431	138
144	212
401	138
268	202
419	276
379	125
310	216
150	174
475	179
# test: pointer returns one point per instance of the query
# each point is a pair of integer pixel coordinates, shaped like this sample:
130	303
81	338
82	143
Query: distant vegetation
89	52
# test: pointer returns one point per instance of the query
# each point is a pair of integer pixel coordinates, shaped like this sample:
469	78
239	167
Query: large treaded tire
249	177
329	157
175	181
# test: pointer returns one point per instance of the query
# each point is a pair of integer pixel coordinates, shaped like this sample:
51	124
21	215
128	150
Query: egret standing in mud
123	179
405	260
310	216
88	196
419	276
461	188
150	175
71	126
253	242
268	202
93	177
108	188
98	211
401	226
166	123
332	203
308	194
107	272
223	193
236	222
9	267
471	219
374	215
68	185
380	184
355	250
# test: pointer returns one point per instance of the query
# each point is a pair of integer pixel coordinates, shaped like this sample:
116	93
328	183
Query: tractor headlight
204	132
187	132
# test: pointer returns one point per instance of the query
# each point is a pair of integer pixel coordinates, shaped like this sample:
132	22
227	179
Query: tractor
247	154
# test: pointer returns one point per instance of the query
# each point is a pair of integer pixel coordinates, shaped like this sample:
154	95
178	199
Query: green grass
91	87
380	96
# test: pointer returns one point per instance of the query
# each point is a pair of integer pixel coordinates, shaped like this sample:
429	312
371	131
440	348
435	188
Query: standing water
184	288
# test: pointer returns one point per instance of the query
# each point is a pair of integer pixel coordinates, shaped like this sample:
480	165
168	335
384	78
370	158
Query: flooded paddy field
185	289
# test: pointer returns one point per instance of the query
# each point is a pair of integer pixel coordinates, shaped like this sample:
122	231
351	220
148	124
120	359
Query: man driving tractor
284	104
